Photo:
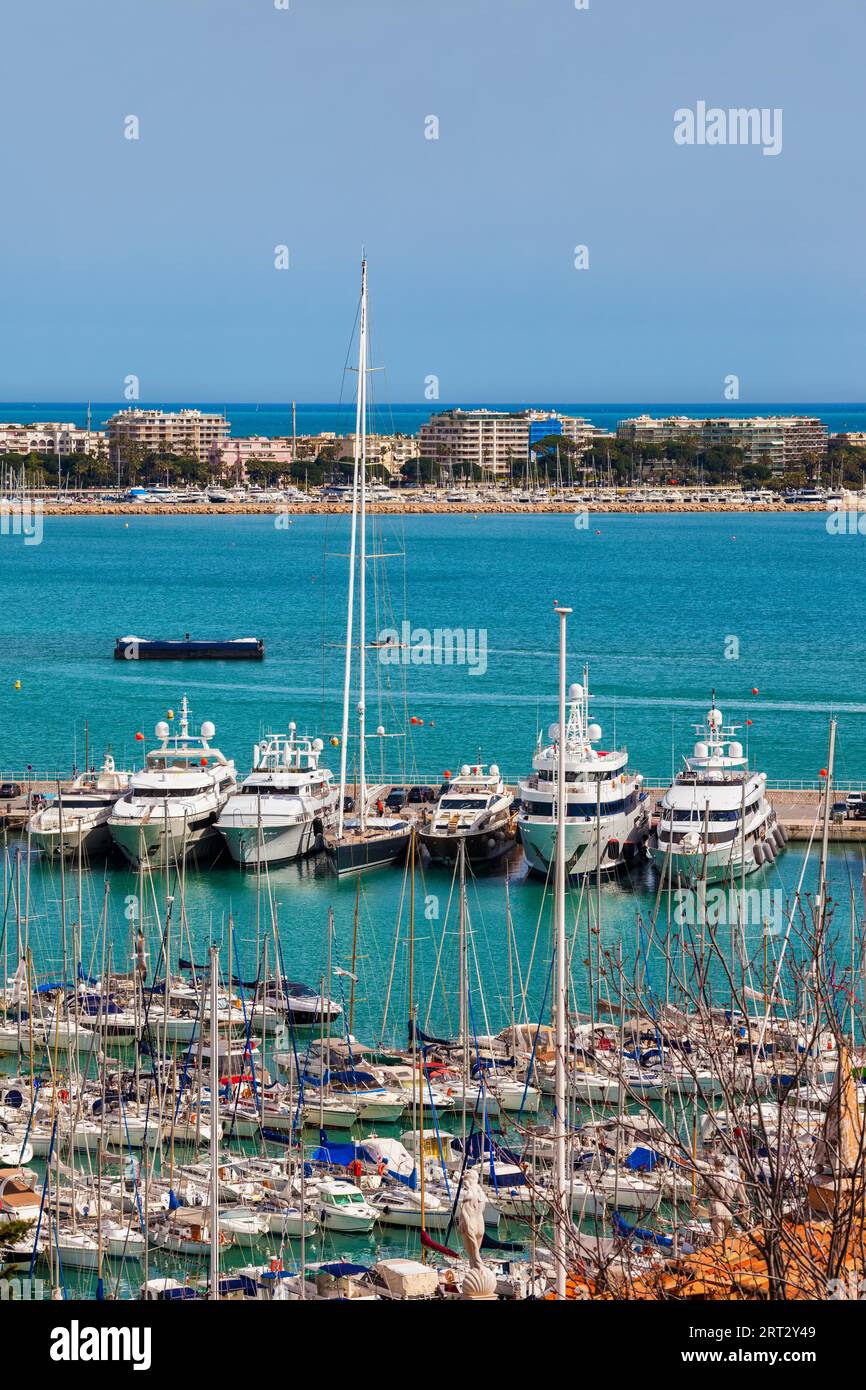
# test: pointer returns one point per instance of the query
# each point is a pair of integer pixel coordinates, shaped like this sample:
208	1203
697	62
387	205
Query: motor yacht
715	820
76	820
607	818
171	808
475	811
282	809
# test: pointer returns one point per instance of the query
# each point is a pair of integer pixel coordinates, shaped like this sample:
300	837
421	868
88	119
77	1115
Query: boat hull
716	866
589	845
357	854
272	845
482	847
156	843
95	840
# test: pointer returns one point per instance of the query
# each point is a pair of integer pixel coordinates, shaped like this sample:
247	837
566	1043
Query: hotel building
780	440
188	433
495	440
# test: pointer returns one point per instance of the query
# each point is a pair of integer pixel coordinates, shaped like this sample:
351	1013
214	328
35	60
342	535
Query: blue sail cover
622	1227
341	1155
643	1160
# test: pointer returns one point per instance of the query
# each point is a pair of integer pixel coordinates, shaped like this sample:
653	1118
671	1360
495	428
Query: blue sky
305	127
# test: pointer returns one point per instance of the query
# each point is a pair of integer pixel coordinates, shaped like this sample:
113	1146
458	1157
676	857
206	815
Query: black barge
188	649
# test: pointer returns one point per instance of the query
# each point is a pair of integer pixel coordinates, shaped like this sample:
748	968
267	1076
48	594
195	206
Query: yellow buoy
17	685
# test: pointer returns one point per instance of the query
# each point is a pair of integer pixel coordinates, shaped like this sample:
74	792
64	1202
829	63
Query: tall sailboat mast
350	606
362	561
561	997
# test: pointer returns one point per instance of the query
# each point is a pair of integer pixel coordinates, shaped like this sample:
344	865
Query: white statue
479	1282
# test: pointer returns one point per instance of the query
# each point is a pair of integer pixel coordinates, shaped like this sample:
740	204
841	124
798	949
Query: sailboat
369	838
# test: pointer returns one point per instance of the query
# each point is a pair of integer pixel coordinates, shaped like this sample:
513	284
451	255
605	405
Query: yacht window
462	803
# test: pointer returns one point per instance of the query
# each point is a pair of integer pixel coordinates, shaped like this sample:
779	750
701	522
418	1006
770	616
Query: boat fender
781	835
758	852
769	851
318	826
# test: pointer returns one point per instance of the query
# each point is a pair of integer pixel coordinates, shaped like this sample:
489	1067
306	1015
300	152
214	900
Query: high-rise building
189	433
495	440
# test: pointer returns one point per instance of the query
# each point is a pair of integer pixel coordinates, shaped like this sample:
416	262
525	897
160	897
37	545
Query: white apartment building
781	439
51	437
494	440
185	432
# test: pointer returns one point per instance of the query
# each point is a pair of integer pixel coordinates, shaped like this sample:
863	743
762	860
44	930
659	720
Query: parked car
396	799
417	795
10	790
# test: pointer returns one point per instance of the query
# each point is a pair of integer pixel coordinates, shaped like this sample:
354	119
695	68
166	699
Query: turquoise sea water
275	418
657	601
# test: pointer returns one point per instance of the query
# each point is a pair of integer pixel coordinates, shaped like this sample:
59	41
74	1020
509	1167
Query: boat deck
797	809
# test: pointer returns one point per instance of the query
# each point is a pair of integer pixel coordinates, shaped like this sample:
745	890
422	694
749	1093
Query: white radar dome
208	729
735	750
318	745
494	770
464	771
575	692
380	730
553	732
701	750
714	718
161	730
292	726
593	732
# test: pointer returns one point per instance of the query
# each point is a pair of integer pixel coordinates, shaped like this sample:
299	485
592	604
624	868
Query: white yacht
283	808
171	808
475	811
76	821
715	819
607	817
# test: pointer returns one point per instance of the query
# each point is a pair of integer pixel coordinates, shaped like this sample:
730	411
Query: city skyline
541	218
